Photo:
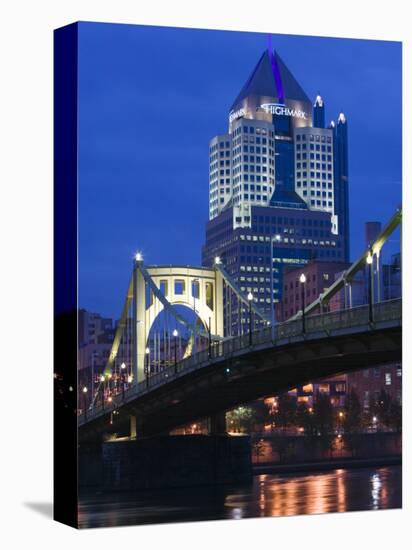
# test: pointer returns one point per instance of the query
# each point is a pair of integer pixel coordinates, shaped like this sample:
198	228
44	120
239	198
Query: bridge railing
342	319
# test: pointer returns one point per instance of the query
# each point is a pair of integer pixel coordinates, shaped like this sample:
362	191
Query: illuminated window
308	388
323	388
388	379
303	399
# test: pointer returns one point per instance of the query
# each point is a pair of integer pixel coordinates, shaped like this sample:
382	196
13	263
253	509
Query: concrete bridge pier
217	424
136	426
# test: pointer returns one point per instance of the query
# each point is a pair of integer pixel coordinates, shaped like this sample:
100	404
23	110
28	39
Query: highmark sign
272	108
233	115
282	109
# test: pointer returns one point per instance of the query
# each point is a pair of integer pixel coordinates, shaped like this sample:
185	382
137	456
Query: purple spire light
275	71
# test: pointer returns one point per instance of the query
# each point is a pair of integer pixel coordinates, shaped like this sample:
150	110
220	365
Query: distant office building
334	388
95	337
368	383
93	328
278	186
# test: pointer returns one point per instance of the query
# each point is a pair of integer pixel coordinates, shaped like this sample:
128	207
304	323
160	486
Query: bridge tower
158	288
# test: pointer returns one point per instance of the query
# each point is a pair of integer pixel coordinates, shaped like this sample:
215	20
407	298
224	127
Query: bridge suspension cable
240	295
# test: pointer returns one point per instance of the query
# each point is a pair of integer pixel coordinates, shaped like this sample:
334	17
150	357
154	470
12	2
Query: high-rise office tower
341	180
274	185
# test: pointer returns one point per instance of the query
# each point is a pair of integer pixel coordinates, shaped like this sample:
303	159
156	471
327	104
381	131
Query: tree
285	413
258	447
240	419
261	413
323	414
284	446
305	419
352	415
324	421
380	407
395	416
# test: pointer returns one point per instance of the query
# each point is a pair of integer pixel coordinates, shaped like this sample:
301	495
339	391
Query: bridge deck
386	315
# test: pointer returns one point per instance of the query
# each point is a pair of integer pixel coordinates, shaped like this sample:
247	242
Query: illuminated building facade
274	186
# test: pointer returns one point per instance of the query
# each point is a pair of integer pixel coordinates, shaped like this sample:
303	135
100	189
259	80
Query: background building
319	276
278	187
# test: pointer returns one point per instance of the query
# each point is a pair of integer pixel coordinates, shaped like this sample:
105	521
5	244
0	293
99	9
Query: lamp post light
209	343
94	354
250	300
102	379
276	238
147	368
175	335
123	376
369	261
196	294
84	400
341	416
302	280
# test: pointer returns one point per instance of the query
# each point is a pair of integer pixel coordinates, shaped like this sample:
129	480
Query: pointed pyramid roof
272	78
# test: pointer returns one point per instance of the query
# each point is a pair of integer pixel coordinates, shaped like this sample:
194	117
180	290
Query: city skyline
116	225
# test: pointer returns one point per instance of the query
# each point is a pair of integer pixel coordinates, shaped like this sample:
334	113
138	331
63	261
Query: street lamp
175	335
302	280
341	415
276	238
94	354
84	400
369	261
250	300
209	343
147	352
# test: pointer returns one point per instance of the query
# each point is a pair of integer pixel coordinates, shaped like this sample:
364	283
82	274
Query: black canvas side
65	274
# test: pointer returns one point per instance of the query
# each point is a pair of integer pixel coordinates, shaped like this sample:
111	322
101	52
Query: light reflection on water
268	495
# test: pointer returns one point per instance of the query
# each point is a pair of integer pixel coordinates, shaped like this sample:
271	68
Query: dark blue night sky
150	98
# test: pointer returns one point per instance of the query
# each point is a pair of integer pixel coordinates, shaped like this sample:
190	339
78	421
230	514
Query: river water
338	490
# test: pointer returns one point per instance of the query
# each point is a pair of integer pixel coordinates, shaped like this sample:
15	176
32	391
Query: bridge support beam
217	424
